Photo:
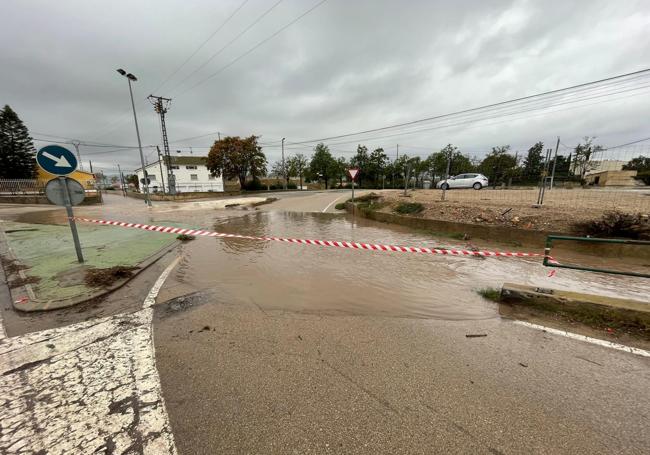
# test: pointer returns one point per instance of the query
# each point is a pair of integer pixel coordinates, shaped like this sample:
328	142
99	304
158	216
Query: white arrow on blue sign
56	160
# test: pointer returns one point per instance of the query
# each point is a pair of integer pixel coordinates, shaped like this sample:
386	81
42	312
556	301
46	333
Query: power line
628	143
223	24
242	33
475	109
270	37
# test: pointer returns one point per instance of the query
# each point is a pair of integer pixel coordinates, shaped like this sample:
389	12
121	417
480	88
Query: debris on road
106	277
475	335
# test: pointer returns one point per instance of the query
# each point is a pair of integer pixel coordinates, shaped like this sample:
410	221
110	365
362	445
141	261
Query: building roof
181	160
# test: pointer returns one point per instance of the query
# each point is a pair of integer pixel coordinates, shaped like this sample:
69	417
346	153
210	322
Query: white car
476	181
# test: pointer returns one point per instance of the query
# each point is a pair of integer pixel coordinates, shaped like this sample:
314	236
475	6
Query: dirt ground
562	208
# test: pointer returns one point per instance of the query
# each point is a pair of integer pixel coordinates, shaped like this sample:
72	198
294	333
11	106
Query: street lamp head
132	77
122	72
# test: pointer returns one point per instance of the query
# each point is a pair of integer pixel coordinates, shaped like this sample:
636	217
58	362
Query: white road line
332	203
575	336
155	289
3	332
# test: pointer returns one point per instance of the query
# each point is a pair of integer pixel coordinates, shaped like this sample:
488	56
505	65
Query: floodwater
327	280
304	278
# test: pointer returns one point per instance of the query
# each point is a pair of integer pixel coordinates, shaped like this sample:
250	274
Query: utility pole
162	176
121	180
396	158
219	135
76	146
91	166
446	184
557	146
284	169
406	177
160	105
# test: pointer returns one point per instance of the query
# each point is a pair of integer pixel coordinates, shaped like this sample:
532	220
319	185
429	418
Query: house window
190	167
176	167
194	176
151	177
211	177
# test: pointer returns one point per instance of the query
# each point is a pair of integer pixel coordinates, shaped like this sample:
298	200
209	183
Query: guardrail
548	262
21	186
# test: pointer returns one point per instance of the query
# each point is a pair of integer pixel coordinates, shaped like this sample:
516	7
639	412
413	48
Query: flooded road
303	278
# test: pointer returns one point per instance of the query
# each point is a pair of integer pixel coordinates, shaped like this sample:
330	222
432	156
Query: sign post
63	190
353	172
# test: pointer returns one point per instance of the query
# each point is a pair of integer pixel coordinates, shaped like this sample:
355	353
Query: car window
461	176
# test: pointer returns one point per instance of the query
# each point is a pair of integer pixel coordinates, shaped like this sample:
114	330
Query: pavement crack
384	403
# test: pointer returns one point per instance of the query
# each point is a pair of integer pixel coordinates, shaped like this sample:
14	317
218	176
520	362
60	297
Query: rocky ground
562	211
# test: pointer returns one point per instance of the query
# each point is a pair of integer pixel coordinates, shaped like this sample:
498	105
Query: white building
190	174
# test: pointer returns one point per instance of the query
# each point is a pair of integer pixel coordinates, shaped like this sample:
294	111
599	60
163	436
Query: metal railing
21	186
549	263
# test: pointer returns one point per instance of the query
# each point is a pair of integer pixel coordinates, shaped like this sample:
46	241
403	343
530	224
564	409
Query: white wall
184	182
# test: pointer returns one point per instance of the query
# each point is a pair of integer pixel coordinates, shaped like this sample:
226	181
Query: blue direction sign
56	160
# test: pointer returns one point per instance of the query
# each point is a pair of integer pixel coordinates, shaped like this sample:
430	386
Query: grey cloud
347	66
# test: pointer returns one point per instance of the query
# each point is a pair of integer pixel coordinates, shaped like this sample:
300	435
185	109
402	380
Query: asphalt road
259	366
243	376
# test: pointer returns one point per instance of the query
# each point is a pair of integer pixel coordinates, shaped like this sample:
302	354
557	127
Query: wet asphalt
251	365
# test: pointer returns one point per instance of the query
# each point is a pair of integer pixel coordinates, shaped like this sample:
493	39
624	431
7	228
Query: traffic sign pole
73	226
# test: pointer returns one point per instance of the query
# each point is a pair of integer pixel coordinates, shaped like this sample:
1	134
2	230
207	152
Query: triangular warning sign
353	173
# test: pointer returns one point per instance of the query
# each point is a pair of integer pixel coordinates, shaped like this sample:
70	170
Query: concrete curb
35	304
584	307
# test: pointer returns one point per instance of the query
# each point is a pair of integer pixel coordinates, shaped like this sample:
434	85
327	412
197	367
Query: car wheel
477	186
444	186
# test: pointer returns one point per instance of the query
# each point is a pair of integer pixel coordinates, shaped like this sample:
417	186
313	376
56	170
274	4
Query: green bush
254	185
340	206
409	208
616	224
490	294
644	176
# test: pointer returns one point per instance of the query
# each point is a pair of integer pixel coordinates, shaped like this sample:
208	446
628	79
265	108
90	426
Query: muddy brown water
303	278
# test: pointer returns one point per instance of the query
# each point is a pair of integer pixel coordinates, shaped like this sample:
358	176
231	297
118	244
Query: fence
21	186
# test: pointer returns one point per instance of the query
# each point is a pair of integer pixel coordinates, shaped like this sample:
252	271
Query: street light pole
284	169
130	77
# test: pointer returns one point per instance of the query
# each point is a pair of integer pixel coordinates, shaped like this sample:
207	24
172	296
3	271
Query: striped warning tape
353	245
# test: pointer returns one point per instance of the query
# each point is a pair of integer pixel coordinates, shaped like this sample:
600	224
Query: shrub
407	208
185	237
644	176
340	206
617	224
254	185
490	294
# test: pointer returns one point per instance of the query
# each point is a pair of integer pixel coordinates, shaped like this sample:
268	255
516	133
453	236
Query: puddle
301	278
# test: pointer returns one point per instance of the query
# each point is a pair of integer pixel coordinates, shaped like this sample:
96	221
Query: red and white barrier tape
354	245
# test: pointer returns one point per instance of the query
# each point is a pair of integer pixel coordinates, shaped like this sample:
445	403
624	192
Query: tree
582	158
498	164
534	163
17	153
234	157
296	166
322	165
376	165
436	163
360	160
133	179
639	164
341	169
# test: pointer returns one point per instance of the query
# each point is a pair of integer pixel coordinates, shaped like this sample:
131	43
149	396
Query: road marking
331	203
575	336
3	332
86	387
155	289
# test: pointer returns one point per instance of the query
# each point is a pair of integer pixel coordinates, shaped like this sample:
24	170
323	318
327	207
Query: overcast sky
346	66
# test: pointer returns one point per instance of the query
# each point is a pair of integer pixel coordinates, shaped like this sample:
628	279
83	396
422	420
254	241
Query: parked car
476	181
